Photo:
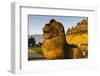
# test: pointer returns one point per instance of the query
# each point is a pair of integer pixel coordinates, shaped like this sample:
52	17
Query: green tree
31	42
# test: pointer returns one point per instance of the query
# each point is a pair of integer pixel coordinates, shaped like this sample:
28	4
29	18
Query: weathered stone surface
55	45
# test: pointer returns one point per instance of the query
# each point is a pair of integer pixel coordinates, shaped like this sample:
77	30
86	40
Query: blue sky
37	22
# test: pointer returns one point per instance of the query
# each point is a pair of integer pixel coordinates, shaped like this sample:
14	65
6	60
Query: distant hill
78	35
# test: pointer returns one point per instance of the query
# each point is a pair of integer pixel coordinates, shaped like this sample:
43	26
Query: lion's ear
54	32
52	20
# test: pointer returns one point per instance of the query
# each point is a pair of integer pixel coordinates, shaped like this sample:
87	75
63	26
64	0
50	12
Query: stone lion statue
55	45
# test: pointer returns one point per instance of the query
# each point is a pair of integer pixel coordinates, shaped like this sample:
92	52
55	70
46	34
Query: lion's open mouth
46	31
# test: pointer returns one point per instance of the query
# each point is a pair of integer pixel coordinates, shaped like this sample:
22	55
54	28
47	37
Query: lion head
52	29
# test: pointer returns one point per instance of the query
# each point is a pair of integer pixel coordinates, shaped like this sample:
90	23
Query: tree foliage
31	41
